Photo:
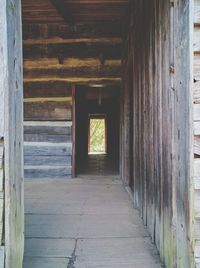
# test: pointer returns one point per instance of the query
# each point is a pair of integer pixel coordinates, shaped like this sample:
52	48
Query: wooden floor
101	164
87	222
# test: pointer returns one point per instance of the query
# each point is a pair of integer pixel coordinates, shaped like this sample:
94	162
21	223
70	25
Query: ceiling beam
79	30
63	11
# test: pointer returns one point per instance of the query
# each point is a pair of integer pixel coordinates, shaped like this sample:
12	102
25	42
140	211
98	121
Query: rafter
63	10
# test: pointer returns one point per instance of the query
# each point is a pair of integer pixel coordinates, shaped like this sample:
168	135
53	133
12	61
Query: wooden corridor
88	222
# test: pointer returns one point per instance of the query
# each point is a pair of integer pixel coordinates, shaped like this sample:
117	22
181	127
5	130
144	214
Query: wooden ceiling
73	41
73	11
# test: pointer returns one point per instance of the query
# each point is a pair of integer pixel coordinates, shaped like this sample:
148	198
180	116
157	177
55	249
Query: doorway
97	135
97	130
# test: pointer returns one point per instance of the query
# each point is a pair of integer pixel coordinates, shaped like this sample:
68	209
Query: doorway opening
97	130
97	135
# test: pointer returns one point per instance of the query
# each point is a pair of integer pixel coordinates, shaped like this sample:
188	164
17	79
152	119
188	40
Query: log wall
156	124
47	130
47	149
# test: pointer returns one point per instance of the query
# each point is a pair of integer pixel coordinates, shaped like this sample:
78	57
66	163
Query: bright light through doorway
97	135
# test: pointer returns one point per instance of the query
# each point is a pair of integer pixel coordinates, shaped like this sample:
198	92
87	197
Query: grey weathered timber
2	203
11	76
44	171
196	118
3	61
51	128
48	160
2	257
103	229
158	55
47	138
48	149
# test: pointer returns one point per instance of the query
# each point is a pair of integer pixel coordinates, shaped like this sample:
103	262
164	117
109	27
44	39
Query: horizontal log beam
81	49
48	99
69	62
197	145
62	30
47	111
54	89
47	89
196	92
65	70
78	80
89	41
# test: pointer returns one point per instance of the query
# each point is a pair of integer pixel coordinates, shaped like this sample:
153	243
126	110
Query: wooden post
73	131
11	129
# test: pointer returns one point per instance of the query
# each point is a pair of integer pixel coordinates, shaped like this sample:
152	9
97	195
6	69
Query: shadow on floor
100	164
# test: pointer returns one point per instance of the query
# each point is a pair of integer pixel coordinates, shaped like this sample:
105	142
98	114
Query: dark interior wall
86	105
155	124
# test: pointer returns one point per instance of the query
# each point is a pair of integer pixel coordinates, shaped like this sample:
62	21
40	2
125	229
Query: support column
11	134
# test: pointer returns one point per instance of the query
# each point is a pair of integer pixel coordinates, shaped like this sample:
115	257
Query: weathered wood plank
84	12
1	155
61	30
3	49
197	145
197	167
2	205
53	172
103	81
31	160
160	49
47	149
12	75
48	129
54	41
46	89
196	92
82	49
196	39
48	111
196	67
67	100
197	128
196	12
62	71
47	138
51	124
196	112
2	257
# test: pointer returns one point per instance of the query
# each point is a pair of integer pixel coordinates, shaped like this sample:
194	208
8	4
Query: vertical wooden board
160	148
3	53
183	87
196	12
1	217
2	257
13	90
73	131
